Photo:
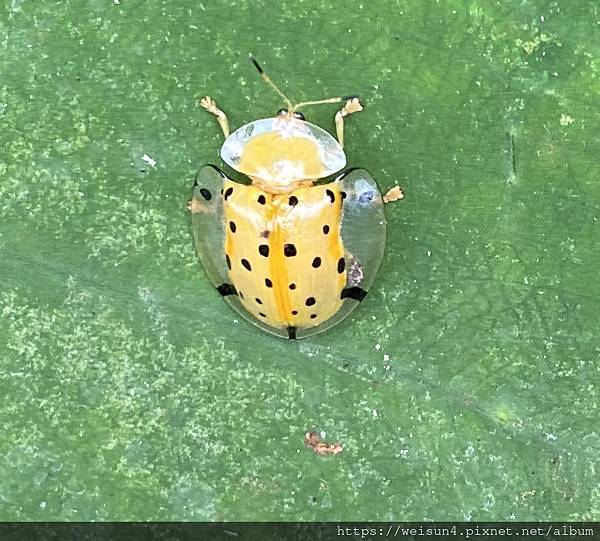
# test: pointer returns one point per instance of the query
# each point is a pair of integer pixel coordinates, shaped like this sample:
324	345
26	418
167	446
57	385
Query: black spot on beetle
262	315
227	193
265	234
292	286
206	194
310	301
331	195
261	199
232	226
228	261
289	250
258	301
263	250
313	316
341	265
294	312
268	282
356	293
293	201
344	195
226	289
246	264
316	262
325	229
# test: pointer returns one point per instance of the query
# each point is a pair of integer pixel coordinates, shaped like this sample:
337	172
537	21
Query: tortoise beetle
292	256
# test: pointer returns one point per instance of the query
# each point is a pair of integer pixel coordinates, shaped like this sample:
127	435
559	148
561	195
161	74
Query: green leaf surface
466	385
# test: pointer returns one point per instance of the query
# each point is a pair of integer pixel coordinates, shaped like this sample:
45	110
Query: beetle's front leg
211	106
352	106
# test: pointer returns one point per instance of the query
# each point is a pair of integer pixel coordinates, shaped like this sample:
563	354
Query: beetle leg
393	194
352	106
211	106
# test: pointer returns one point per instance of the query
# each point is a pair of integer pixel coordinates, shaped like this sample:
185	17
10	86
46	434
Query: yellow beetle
292	256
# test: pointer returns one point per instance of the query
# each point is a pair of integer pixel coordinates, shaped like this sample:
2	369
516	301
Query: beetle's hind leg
352	106
211	106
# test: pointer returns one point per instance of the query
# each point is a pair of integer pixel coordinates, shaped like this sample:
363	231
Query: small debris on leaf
566	120
393	194
149	160
312	440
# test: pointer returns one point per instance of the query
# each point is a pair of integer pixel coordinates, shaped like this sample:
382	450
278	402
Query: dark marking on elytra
366	196
326	229
227	193
316	262
291	332
258	301
310	301
341	266
268	282
331	195
293	201
313	316
289	250
232	226
346	173
206	194
263	250
215	168
356	293
261	199
228	261
246	264
226	289
292	286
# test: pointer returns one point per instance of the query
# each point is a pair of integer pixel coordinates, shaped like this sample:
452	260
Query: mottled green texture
467	385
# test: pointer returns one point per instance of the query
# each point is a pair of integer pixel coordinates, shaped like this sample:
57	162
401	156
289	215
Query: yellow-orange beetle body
292	256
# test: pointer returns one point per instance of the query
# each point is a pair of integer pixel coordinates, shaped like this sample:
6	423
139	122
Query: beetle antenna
337	99
267	80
